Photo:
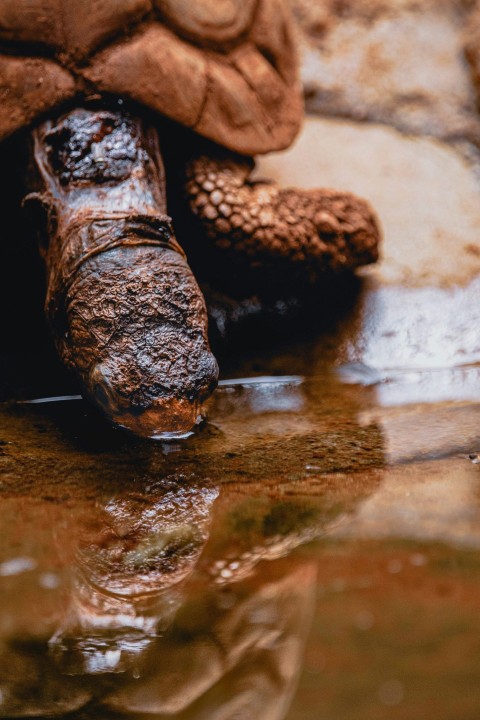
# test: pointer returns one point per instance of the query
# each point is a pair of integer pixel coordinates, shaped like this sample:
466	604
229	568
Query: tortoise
104	90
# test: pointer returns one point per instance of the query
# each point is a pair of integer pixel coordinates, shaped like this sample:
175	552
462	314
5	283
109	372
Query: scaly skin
281	238
125	310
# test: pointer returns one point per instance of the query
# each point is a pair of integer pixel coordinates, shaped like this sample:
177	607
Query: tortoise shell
225	68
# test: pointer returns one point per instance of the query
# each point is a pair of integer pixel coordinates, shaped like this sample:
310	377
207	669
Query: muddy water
312	552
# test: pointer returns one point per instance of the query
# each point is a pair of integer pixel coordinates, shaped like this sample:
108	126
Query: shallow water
311	552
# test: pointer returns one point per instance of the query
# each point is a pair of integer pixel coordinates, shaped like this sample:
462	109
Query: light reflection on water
181	580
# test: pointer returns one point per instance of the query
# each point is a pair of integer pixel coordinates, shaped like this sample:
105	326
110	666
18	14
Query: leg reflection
234	652
132	558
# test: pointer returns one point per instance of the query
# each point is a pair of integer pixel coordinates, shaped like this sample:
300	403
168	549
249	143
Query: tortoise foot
284	238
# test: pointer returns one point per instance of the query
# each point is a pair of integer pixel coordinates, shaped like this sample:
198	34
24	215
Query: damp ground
313	551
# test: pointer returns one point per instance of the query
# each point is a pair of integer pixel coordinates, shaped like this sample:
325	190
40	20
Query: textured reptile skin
125	310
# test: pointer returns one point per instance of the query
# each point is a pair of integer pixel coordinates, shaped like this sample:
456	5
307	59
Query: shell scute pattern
72	28
216	22
225	68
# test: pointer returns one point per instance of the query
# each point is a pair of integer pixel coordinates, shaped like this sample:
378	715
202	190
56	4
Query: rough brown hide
285	237
125	310
226	69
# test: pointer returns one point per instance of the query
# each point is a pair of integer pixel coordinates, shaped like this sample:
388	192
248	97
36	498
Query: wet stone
164	553
419	306
404	62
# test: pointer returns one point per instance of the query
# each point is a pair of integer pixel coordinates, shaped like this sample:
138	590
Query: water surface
311	552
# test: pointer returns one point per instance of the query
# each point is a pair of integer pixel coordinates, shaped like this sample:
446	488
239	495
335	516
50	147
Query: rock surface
402	131
426	194
419	306
400	63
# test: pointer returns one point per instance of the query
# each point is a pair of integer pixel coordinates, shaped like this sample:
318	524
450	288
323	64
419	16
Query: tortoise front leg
126	312
272	237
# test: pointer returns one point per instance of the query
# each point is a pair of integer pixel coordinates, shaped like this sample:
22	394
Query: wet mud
313	550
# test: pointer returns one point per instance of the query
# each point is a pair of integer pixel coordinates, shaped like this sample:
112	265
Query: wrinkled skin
125	310
222	78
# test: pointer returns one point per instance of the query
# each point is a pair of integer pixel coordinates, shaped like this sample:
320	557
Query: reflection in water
172	578
143	542
191	638
235	653
131	555
261	395
175	581
437	501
